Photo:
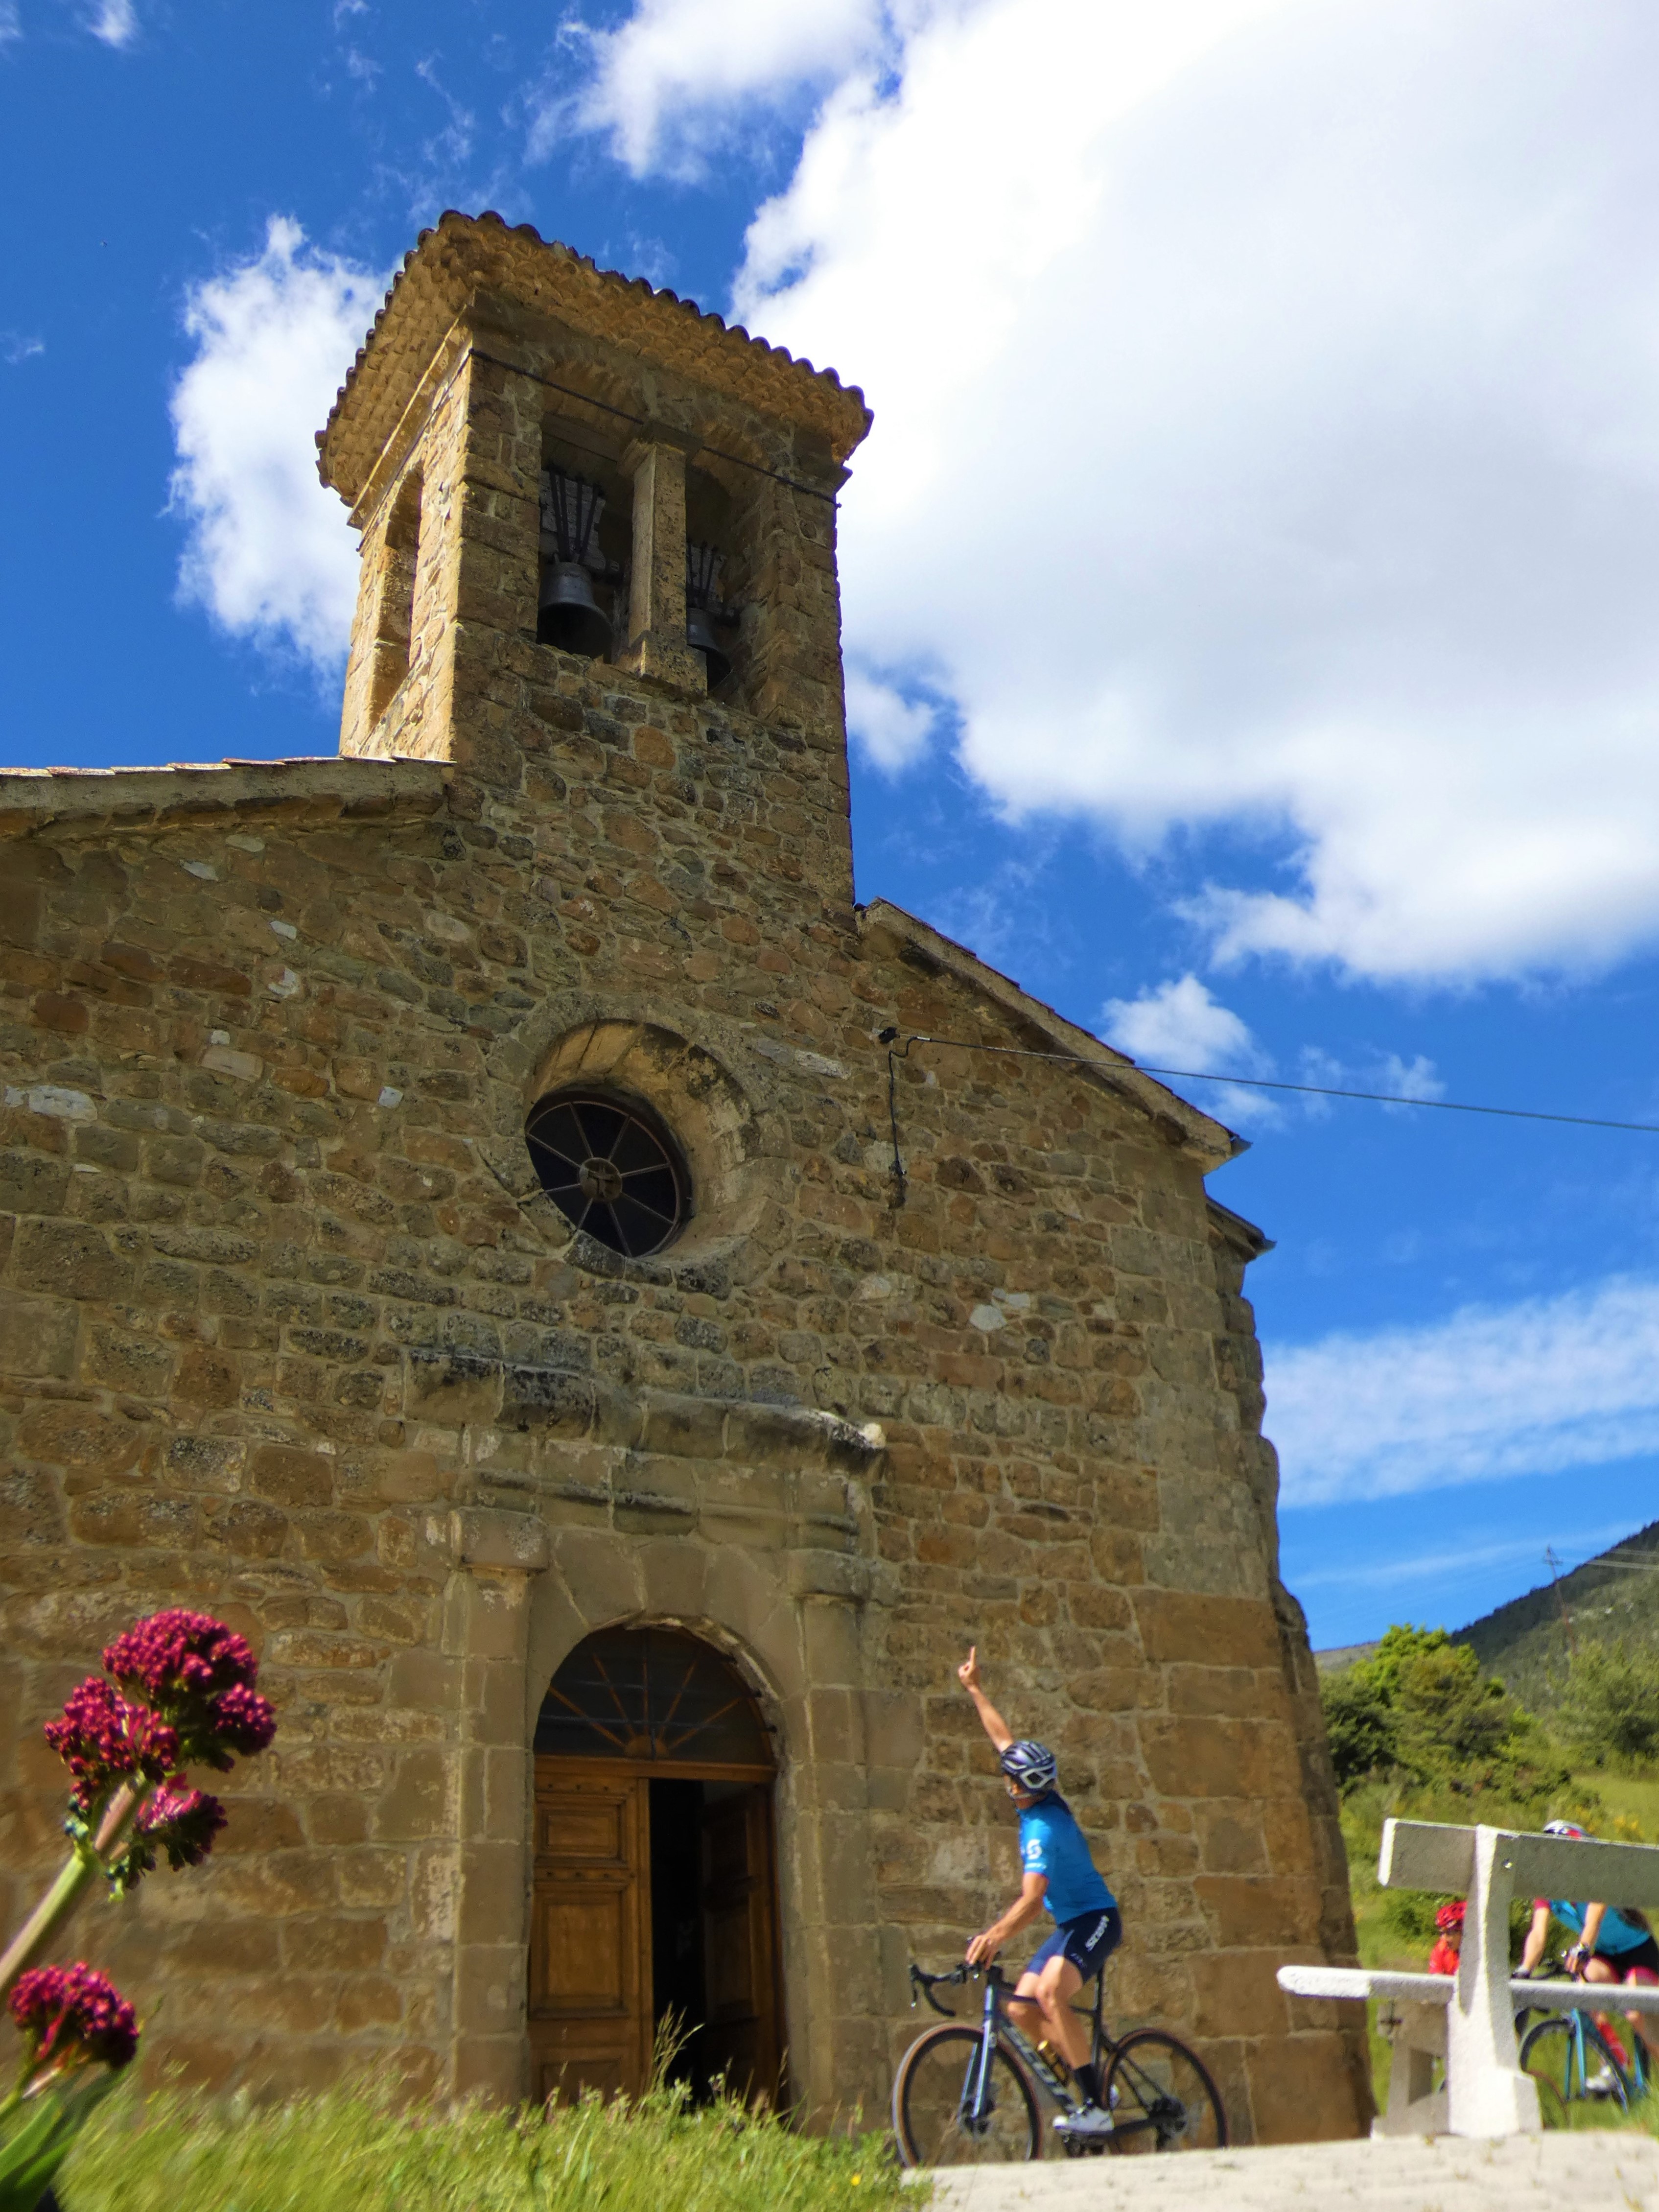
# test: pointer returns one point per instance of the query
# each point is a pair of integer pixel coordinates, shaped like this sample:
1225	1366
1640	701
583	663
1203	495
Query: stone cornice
134	799
571	1403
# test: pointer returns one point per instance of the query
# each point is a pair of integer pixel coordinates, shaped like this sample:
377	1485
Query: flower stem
82	1867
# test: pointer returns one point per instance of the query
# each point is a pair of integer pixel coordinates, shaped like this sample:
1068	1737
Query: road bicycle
1574	2062
968	2096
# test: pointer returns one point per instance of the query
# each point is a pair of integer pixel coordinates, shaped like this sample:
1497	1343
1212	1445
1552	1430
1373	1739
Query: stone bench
1468	2020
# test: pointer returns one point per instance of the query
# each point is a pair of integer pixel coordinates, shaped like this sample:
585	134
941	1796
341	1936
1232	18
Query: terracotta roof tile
464	254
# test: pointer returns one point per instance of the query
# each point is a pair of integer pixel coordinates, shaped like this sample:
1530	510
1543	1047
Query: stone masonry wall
264	1084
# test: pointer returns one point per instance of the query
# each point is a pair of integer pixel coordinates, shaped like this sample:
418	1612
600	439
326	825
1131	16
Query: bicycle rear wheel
1550	2053
935	2081
1160	2098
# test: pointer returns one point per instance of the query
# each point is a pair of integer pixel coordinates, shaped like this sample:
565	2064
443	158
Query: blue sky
1250	583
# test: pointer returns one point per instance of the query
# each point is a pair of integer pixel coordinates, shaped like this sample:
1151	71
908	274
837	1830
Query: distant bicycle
1573	2062
968	2096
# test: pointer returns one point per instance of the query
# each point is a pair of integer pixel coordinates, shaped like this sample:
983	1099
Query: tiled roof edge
453	217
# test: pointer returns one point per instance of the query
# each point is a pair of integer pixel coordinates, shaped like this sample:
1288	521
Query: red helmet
1451	1916
1565	1828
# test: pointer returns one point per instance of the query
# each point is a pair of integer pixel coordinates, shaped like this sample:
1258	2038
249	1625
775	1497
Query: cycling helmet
1030	1766
1565	1828
1451	1916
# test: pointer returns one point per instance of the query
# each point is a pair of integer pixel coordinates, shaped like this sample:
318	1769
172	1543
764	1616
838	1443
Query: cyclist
1056	1870
1611	1946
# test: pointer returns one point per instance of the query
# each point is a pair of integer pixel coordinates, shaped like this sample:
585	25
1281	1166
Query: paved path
1577	2172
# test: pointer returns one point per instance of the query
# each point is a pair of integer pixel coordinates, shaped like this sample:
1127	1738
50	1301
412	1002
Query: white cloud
268	553
1461	1564
1179	1026
11	23
115	21
16	346
1266	428
1412	1078
893	730
1534	1388
666	83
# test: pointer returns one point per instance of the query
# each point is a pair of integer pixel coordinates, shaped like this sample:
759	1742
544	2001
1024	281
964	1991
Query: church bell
568	615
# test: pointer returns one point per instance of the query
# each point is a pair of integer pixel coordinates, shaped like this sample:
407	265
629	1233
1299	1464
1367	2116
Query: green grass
346	2153
1628	1798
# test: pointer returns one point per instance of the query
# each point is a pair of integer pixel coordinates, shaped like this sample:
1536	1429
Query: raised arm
990	1719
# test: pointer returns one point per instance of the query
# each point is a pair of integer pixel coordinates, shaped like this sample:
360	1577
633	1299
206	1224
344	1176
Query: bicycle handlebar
927	1983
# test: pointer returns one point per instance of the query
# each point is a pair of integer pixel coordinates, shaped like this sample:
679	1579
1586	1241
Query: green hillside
1612	1598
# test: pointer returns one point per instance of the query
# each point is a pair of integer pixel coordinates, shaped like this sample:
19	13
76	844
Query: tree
1419	1710
1613	1704
1359	1722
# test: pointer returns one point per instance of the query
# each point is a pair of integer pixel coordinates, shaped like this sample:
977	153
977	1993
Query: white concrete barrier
1467	2021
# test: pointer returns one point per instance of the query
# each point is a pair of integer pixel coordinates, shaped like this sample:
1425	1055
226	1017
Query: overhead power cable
896	1052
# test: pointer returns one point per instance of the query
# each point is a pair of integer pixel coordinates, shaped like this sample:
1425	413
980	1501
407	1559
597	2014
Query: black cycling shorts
1088	1942
1641	1958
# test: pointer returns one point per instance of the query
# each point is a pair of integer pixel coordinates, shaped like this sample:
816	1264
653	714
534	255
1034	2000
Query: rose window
611	1170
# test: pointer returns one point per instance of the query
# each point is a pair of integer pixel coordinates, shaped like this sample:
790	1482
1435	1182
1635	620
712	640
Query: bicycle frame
1636	2074
996	2019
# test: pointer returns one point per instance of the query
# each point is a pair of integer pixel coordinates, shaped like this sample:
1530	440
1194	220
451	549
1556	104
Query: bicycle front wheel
1160	2098
933	2094
1568	2073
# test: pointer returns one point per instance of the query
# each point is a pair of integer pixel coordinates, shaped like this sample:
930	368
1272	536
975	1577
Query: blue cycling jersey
1615	1935
1051	1844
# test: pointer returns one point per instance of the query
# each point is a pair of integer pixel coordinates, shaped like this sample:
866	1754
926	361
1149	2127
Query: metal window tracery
609	1170
652	1693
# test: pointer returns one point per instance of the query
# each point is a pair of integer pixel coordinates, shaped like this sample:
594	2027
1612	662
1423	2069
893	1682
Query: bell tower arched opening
654	1889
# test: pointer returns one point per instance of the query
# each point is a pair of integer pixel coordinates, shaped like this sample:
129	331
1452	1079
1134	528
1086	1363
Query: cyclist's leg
1597	1968
1642	2022
1057	1985
1026	1992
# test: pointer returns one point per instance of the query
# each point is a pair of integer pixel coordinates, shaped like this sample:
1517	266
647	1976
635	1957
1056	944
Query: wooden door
740	1960
590	1933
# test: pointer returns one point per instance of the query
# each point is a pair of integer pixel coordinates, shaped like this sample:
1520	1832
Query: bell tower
587	507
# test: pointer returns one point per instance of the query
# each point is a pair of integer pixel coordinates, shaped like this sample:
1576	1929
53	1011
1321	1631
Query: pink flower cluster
103	1739
70	2014
181	1822
183	1691
198	1675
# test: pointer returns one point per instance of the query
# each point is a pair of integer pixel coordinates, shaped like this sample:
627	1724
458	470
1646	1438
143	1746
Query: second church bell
568	615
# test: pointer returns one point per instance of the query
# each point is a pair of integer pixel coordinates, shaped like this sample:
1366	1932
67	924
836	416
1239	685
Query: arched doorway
654	1882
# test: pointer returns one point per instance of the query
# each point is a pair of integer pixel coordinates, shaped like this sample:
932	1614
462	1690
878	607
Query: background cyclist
1057	1871
1610	1946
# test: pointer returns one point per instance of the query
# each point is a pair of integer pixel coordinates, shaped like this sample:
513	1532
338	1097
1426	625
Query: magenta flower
70	2014
199	1676
104	1739
181	1822
242	1721
177	1658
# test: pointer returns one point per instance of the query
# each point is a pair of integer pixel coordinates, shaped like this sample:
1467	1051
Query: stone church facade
299	1322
